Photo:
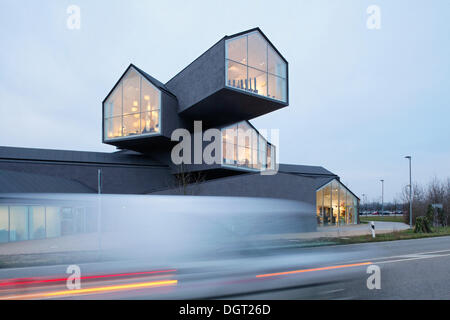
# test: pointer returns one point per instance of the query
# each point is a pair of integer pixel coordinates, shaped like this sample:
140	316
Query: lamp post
364	202
99	213
382	196
410	192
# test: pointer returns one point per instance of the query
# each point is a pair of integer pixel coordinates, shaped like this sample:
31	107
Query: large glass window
276	65
4	223
336	205
277	87
18	227
131	92
262	149
53	222
113	106
257	51
319	207
334	202
37	222
342	205
133	108
254	66
327	210
242	146
19	223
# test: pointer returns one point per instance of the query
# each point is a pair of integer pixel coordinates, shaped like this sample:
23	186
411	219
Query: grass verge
364	219
396	235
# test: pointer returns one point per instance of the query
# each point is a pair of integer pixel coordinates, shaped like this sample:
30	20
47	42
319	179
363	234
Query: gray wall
201	78
122	173
281	185
116	178
169	116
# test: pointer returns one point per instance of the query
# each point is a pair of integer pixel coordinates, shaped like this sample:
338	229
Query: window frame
349	194
122	115
247	66
236	146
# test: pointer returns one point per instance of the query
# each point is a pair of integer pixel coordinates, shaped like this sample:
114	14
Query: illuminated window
254	66
133	108
4	223
244	147
336	204
320	206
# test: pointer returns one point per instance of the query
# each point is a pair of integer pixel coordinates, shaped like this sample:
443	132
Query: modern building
239	78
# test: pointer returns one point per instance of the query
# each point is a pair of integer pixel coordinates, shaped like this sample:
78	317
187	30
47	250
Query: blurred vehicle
170	247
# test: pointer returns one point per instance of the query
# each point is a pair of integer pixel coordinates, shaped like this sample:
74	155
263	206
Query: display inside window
133	108
335	204
254	66
244	147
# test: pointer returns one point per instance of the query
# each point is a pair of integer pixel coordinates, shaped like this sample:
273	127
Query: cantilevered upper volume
241	77
138	107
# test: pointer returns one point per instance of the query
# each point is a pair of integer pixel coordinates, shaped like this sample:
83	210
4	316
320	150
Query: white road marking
405	256
332	291
415	258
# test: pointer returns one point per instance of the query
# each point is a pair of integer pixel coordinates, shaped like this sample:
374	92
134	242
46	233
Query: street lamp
382	196
363	195
410	192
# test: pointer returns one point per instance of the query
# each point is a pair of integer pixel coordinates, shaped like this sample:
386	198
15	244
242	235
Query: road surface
409	269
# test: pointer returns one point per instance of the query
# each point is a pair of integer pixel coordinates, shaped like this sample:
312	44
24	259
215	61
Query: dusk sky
360	99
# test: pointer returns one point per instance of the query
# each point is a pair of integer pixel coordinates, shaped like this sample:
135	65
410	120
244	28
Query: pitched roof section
14	181
320	182
262	33
161	86
305	170
229	37
120	158
154	81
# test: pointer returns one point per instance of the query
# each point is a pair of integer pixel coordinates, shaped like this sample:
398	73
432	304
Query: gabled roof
14	181
305	170
229	37
262	33
161	86
154	81
50	155
321	182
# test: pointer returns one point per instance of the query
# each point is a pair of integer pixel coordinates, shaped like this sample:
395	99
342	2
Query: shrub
422	225
430	214
442	218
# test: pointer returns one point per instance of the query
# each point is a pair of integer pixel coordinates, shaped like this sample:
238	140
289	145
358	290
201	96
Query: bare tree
435	192
187	182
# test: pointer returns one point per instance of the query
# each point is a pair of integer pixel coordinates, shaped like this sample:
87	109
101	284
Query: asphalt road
409	269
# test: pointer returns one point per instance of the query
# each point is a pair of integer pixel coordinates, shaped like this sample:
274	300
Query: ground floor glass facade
336	205
23	222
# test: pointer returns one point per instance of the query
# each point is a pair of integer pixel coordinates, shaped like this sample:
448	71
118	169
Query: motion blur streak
94	290
310	270
15	282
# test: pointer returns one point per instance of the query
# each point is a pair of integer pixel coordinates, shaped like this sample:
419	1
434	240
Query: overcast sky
360	99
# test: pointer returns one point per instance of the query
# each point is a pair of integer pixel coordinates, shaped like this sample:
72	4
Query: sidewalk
342	231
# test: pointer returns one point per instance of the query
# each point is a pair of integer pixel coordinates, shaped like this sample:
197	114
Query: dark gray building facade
239	78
